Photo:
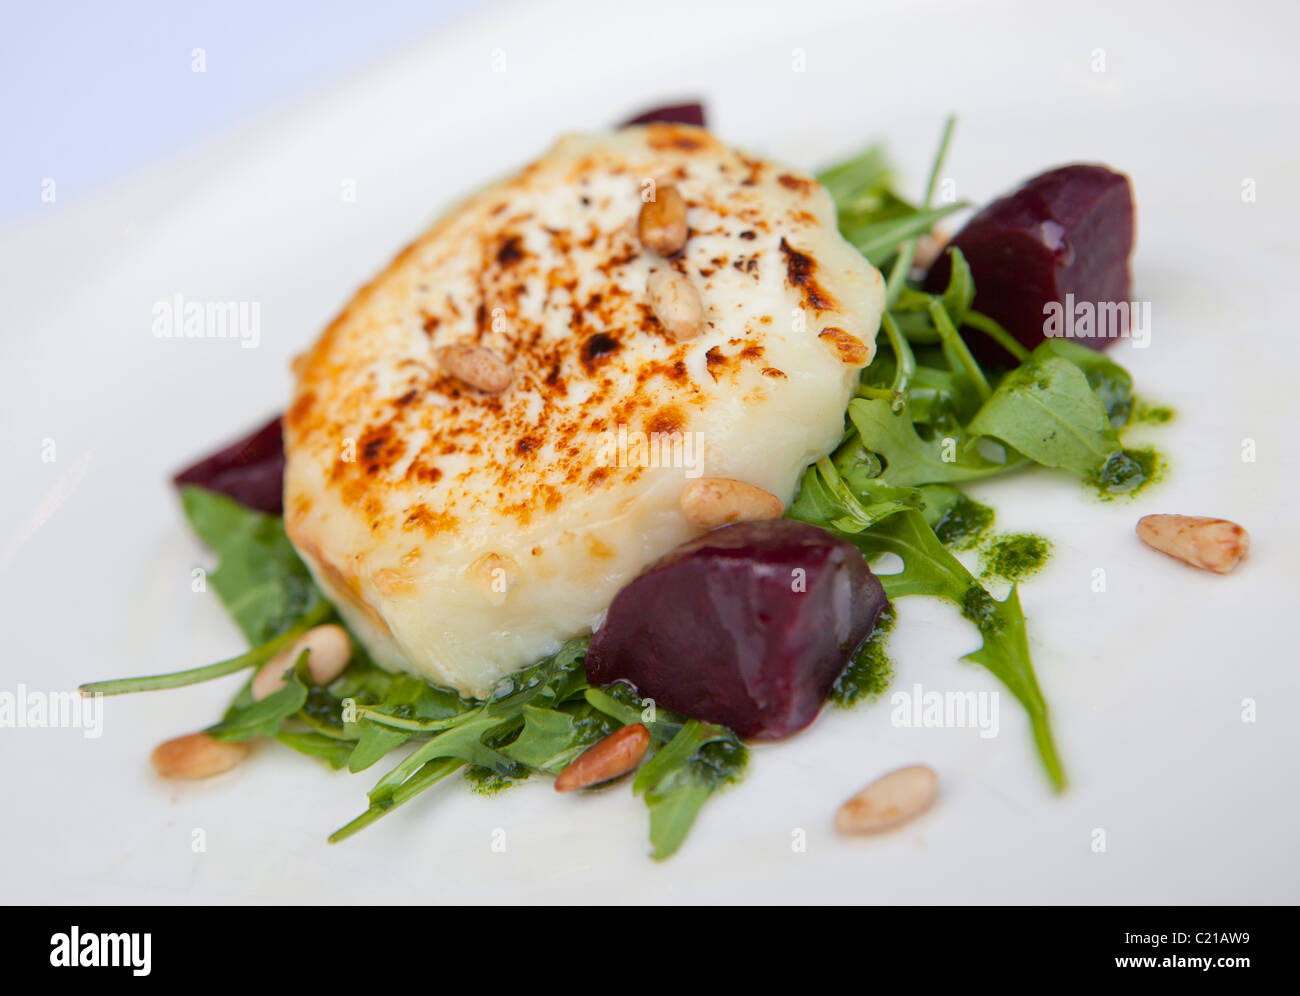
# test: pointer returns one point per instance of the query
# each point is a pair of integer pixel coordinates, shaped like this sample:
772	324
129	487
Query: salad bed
928	415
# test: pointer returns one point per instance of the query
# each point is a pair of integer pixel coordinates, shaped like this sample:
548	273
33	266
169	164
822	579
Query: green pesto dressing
1127	472
1149	413
485	781
871	670
1014	557
963	524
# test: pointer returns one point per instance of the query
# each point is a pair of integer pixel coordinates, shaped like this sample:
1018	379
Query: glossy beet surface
689	114
251	471
747	626
1066	231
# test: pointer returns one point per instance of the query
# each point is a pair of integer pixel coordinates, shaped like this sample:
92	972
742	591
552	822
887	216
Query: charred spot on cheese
400	479
596	346
801	272
684	138
848	348
800	184
666	421
511	251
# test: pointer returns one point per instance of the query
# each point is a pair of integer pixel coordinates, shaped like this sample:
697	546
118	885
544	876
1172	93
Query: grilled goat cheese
494	436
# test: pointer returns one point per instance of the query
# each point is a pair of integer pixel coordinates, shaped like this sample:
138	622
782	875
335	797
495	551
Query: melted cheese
464	535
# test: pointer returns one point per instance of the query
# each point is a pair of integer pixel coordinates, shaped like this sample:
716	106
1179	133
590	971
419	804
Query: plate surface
1173	691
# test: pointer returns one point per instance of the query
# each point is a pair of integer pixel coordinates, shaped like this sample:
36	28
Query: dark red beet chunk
688	114
251	471
747	626
1066	231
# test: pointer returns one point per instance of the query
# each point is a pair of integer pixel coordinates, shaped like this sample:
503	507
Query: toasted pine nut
714	501
329	651
615	755
849	348
889	801
1210	544
929	247
661	225
197	755
676	303
476	366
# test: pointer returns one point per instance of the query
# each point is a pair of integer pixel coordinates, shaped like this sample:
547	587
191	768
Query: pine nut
1210	544
475	366
661	225
889	801
714	501
615	755
197	755
329	650
676	303
929	247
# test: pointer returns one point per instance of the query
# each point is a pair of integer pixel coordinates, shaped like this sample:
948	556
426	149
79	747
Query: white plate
1146	680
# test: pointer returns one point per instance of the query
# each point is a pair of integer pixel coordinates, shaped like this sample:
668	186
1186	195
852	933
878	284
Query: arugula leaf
246	718
254	658
478	735
879	240
332	751
1047	411
1108	380
426	777
265	587
676	800
909	459
401	696
929	569
863	183
373	744
960	292
825	499
552	738
678	780
619	701
879	223
692	761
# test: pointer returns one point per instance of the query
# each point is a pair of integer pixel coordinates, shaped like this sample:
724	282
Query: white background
1146	680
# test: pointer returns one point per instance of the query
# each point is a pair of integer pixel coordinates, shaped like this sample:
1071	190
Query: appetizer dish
591	480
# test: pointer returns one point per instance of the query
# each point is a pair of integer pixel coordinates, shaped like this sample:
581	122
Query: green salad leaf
930	569
911	460
1047	411
692	760
1109	381
264	585
872	216
246	718
708	758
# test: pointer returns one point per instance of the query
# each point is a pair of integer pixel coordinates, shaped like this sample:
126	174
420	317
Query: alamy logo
946	710
633	448
26	708
182	319
1098	320
77	950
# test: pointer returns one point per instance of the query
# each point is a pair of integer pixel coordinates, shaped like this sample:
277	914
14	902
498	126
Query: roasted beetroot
1068	231
251	470
688	114
747	626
